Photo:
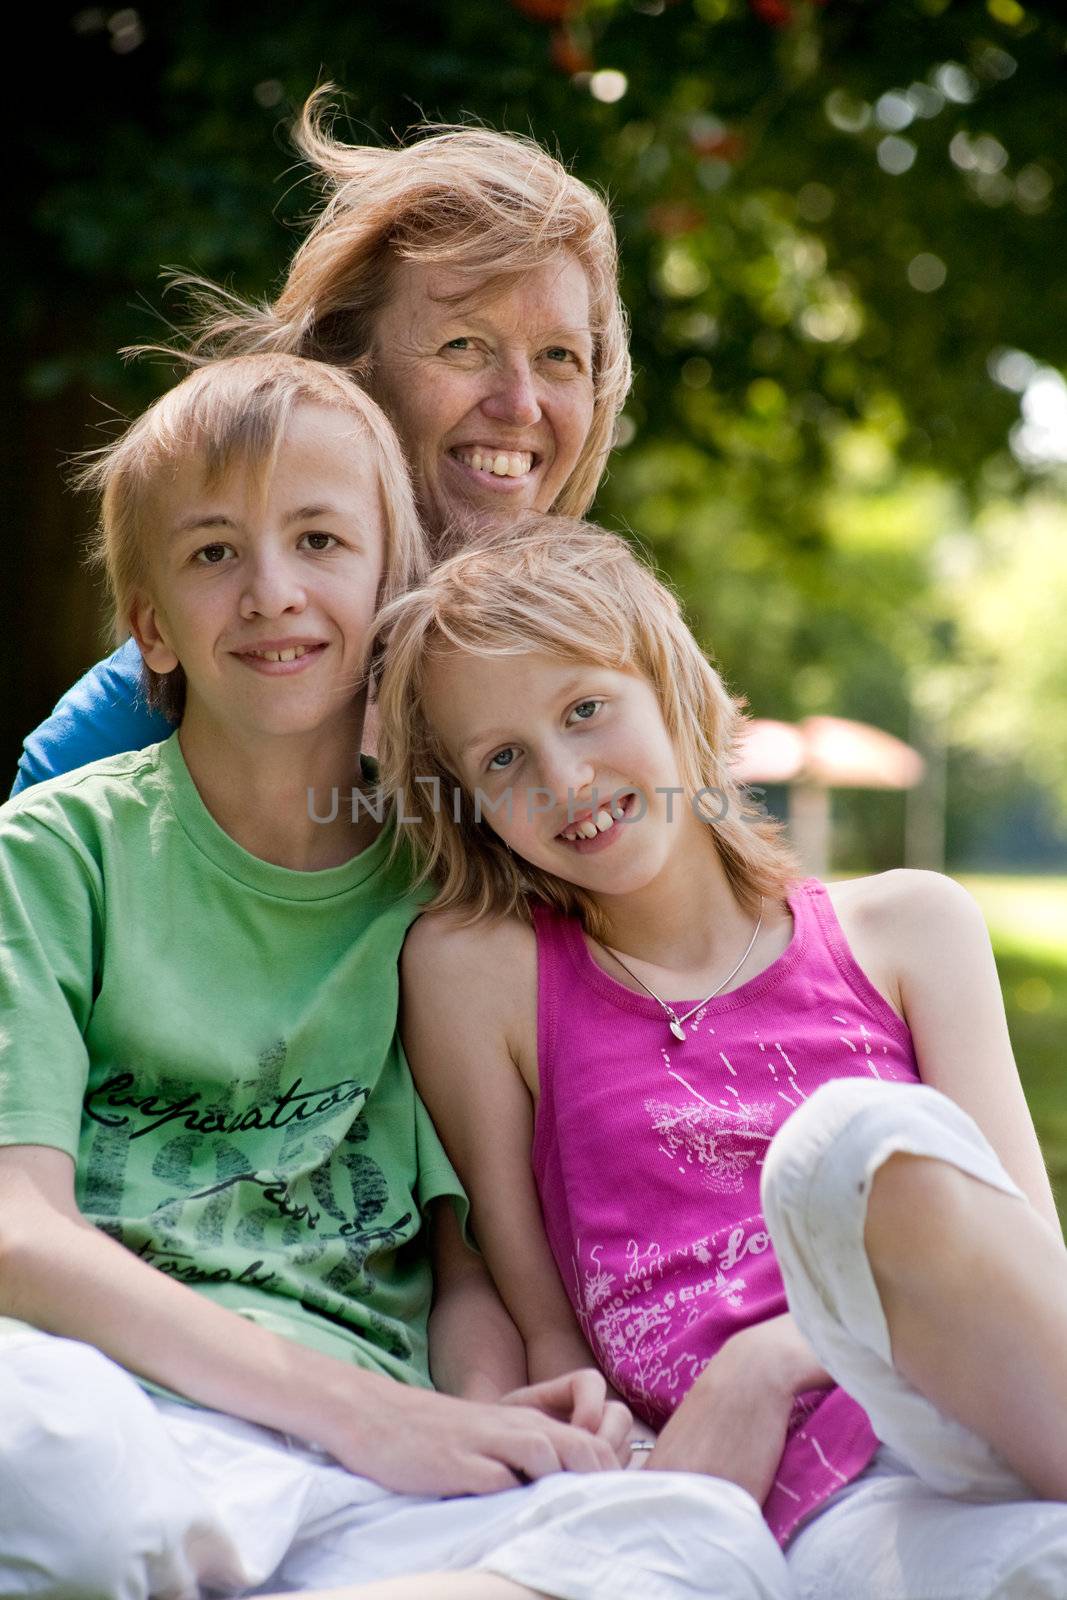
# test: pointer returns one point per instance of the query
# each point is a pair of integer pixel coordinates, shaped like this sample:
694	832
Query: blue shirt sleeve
104	714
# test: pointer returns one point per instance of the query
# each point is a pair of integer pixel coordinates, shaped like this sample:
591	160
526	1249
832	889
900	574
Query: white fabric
914	1526
107	1494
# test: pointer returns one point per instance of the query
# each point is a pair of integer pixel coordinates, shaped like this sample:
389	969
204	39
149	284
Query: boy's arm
64	1276
927	932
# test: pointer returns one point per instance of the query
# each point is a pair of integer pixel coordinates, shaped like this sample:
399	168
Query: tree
840	228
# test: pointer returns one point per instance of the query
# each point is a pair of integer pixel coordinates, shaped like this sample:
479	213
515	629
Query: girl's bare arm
469	1023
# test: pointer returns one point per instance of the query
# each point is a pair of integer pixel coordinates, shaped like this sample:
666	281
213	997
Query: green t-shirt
213	1040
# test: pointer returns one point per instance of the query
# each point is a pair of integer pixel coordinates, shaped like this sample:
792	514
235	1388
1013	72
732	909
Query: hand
583	1399
418	1442
734	1420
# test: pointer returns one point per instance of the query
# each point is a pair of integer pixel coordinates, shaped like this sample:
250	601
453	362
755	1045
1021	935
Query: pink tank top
648	1154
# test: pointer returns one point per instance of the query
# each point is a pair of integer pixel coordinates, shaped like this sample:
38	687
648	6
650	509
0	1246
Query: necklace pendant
677	1030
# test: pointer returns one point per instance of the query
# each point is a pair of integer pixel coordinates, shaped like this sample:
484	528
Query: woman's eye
585	709
319	541
462	343
212	555
505	757
558	352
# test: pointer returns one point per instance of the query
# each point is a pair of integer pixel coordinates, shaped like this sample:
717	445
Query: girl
623	993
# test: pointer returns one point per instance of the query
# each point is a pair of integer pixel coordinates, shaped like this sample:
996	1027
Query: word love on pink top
647	1155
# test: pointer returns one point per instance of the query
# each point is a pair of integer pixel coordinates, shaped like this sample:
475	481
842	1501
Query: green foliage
833	217
1014	642
767	252
1027	919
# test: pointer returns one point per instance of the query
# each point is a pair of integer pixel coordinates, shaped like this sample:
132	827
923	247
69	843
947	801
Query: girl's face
553	750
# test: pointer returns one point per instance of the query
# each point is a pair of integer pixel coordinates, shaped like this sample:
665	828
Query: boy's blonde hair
231	412
491	205
571	590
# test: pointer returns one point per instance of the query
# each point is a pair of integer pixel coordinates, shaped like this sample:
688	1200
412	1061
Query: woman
472	283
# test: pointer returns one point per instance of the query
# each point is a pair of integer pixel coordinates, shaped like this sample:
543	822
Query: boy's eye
320	541
505	757
212	554
585	709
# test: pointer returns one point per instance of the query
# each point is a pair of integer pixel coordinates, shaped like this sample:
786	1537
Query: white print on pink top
635	1325
720	1142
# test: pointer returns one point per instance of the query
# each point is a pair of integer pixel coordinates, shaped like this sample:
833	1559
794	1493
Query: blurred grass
1027	919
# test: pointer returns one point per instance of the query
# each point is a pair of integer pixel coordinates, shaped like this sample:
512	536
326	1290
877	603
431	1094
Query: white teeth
590	827
501	463
293	654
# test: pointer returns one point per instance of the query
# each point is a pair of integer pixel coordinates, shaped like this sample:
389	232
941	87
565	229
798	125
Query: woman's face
492	394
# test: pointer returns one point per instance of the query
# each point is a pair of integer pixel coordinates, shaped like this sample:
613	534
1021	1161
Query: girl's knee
798	1151
907	1191
831	1148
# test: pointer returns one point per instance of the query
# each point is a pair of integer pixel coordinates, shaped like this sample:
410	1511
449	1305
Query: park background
843	231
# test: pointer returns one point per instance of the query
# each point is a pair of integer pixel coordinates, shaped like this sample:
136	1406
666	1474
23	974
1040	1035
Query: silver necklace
674	1020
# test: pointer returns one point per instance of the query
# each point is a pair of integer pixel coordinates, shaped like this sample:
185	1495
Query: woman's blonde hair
569	589
491	205
229	412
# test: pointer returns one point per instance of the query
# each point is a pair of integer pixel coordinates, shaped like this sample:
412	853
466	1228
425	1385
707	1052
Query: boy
214	1167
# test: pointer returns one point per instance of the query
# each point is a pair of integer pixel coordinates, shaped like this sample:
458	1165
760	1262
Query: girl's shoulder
895	922
895	899
476	978
447	945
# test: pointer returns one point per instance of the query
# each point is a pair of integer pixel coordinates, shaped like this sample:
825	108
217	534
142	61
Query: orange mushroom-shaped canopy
831	752
770	752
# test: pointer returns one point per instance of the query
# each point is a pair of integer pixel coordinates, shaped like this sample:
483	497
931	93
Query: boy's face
265	592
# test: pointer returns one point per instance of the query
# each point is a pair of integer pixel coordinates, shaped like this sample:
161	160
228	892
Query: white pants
107	1494
938	1515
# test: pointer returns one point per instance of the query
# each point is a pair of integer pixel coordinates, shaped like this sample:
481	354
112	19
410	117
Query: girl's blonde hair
491	205
569	589
224	413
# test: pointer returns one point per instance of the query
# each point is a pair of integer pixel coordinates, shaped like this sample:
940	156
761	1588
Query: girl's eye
212	555
586	709
505	756
320	541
